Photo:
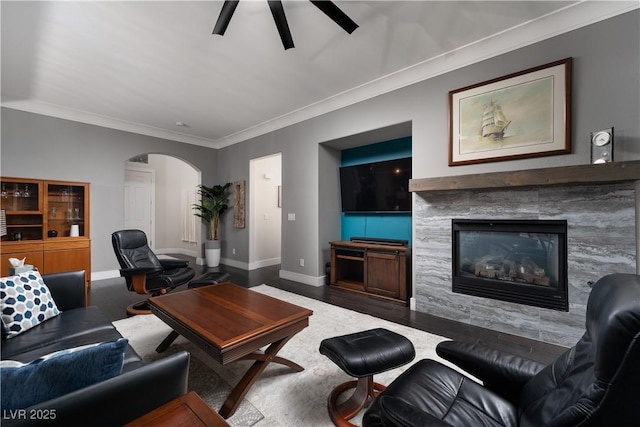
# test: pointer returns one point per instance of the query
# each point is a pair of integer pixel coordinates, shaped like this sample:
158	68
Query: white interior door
265	213
139	198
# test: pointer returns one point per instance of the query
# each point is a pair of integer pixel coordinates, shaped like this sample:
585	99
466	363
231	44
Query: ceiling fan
327	7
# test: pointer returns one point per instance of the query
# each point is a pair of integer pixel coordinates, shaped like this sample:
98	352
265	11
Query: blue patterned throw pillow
25	302
59	373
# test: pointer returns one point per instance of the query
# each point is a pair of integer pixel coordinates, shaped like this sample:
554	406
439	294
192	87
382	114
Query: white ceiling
143	66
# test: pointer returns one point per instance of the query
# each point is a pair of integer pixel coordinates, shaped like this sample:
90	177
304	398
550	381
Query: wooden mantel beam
563	175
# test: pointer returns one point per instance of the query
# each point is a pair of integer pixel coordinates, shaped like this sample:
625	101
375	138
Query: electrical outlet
301	262
233	251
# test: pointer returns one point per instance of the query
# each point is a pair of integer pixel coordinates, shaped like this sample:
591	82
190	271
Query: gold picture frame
521	115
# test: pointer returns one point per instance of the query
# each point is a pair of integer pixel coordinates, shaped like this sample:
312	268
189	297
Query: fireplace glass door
512	260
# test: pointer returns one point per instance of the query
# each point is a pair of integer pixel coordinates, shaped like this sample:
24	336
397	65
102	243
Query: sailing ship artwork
525	114
494	122
511	118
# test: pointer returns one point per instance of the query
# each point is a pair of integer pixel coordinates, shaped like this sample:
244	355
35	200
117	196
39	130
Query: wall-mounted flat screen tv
376	187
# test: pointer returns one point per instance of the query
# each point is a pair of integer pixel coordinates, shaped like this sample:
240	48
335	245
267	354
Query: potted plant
213	202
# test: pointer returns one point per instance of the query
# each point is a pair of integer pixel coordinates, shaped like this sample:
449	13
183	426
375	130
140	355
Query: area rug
145	332
281	397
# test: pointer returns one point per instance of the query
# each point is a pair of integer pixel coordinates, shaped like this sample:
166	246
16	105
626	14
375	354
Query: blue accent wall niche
387	226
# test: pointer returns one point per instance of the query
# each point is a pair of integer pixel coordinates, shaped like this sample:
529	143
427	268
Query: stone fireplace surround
598	204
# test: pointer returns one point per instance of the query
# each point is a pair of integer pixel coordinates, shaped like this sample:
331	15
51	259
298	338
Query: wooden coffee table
232	323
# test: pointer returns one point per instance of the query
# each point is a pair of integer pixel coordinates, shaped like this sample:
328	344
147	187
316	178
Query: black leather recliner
143	271
594	383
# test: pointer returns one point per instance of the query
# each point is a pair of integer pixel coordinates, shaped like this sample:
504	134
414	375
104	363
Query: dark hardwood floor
113	297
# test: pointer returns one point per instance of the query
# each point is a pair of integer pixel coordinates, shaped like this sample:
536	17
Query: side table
188	410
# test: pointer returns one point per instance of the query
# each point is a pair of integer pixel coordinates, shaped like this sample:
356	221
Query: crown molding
47	109
572	17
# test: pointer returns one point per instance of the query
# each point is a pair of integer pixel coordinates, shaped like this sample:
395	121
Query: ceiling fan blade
338	16
281	23
226	13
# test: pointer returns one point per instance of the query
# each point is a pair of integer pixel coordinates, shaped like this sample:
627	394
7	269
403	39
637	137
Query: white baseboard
249	266
264	263
302	278
234	263
284	274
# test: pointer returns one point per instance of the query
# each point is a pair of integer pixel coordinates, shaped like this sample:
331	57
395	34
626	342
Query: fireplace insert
520	261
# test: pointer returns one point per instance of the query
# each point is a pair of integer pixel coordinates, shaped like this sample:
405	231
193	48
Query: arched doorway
159	193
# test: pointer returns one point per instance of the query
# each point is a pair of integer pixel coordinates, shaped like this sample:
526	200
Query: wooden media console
373	268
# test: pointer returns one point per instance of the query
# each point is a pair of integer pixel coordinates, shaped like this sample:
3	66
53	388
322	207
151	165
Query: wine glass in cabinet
66	210
21	199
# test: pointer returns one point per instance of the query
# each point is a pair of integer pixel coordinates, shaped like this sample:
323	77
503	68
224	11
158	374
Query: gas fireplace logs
497	267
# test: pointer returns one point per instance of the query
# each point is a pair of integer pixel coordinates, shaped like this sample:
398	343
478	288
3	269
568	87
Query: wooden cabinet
31	251
48	223
381	270
21	199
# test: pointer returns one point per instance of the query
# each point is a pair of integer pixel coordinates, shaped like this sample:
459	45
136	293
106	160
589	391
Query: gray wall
45	147
303	169
606	92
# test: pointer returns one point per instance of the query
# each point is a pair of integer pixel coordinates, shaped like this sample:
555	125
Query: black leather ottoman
362	355
210	278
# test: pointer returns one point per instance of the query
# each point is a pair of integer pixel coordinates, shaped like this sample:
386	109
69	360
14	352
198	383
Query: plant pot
212	252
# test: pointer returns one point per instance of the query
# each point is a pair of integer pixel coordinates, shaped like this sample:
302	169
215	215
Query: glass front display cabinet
65	210
22	202
47	223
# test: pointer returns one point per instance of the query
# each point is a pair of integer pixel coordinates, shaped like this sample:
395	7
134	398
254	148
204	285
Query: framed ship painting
525	114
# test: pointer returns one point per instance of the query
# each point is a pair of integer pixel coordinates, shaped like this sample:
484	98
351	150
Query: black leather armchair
594	383
145	274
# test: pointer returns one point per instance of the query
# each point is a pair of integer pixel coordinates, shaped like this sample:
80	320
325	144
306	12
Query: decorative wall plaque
239	204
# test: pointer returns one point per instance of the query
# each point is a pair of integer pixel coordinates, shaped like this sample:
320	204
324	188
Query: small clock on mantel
602	146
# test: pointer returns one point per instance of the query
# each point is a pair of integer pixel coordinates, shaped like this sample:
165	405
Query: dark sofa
139	389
